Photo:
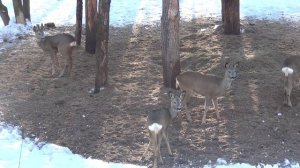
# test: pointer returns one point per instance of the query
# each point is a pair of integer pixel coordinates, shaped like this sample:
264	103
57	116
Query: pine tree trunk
232	17
78	22
102	45
26	8
223	10
18	9
4	14
91	11
170	42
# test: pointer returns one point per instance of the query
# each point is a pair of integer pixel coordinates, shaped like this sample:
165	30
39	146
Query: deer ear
236	64
42	26
226	65
171	94
182	93
34	28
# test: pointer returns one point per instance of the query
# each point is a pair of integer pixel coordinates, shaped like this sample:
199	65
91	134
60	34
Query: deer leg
288	95
155	157
185	101
70	60
53	62
64	52
158	146
215	103
288	86
62	73
167	142
56	62
205	110
155	149
157	153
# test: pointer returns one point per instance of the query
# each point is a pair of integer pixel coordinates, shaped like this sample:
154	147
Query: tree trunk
4	14
18	9
91	11
170	42
223	10
232	17
78	22
102	45
26	8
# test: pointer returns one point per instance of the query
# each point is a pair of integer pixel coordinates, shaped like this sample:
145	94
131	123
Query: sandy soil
254	127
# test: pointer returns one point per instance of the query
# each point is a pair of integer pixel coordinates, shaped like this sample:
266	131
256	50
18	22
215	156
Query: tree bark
170	42
102	45
26	8
18	9
78	22
223	10
4	14
91	11
232	17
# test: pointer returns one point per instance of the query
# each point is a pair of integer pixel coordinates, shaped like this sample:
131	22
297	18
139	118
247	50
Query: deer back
61	39
161	116
206	84
196	82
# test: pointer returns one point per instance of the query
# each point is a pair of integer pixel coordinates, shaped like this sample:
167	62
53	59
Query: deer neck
173	112
41	42
226	83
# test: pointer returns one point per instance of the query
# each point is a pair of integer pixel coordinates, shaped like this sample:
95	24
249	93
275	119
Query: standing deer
51	45
158	122
291	67
209	86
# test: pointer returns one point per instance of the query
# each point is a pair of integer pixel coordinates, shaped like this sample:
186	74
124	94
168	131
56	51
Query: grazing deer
209	86
158	122
51	45
291	67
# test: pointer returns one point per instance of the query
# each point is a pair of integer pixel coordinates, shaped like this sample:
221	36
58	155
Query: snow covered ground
30	154
124	12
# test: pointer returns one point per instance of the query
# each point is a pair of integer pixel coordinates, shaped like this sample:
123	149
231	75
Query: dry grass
110	125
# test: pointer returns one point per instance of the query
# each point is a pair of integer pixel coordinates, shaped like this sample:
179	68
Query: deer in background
158	122
290	68
209	86
51	45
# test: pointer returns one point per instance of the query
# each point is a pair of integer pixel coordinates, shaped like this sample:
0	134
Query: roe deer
291	67
51	45
209	86
158	122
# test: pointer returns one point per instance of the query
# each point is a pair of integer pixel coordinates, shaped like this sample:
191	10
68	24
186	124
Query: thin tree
21	10
26	9
102	45
90	13
170	42
4	14
78	22
231	17
19	13
223	9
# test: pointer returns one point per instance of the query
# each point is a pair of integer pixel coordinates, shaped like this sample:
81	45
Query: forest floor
254	126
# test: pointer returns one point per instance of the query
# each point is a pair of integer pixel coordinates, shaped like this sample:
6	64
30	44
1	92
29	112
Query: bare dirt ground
254	127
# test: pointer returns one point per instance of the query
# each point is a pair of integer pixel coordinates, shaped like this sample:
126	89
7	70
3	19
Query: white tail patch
287	71
155	127
73	44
